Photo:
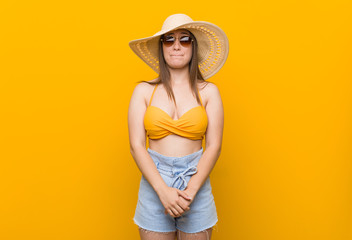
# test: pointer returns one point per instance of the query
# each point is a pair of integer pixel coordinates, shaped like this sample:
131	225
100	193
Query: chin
177	66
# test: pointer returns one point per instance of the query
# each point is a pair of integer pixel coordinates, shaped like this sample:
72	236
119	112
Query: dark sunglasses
185	41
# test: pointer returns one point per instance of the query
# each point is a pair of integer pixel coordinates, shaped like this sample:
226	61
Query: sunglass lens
169	41
186	41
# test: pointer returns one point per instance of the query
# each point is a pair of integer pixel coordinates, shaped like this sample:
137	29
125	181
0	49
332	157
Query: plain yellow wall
66	78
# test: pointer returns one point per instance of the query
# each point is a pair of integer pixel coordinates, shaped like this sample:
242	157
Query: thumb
183	194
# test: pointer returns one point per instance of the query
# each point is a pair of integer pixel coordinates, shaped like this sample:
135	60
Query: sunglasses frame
181	43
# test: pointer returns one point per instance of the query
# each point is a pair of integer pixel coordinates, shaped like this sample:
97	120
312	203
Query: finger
184	195
184	204
171	213
175	212
179	209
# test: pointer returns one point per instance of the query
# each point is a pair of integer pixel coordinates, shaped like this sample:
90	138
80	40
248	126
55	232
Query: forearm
205	166
147	167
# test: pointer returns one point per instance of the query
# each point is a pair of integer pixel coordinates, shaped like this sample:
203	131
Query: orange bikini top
191	124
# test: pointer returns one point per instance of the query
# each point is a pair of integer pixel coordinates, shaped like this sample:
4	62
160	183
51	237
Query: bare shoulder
210	91
144	86
208	87
141	87
142	91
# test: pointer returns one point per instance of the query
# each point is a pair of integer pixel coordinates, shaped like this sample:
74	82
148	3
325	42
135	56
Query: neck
179	76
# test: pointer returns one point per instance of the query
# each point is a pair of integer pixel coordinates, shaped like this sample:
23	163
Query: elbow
134	148
216	149
132	151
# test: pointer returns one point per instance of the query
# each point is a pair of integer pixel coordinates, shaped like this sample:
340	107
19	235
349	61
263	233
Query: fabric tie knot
180	181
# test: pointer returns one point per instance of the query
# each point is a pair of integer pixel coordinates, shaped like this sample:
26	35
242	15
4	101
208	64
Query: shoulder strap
200	98
150	101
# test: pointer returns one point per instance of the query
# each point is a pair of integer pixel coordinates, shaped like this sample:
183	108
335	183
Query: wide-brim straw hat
213	45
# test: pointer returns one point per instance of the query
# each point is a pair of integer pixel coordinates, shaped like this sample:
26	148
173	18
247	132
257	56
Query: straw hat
213	45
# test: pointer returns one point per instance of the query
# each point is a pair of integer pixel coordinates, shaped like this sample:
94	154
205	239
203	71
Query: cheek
165	55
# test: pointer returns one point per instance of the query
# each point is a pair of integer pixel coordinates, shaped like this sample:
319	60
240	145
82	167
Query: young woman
176	112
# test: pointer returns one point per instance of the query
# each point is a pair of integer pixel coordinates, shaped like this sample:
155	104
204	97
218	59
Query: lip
176	55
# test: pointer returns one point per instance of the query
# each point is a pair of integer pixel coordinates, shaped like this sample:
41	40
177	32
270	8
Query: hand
191	193
186	202
174	201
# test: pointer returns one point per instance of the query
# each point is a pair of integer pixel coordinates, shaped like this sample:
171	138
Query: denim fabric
176	172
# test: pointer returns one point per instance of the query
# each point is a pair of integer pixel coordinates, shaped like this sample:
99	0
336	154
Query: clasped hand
175	201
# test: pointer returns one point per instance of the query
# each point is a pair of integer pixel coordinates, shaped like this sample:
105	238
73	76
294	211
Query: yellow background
66	78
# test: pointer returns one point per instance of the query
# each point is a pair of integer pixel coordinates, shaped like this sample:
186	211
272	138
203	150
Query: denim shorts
176	172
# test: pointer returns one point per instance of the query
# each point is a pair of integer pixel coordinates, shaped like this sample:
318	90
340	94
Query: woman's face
178	54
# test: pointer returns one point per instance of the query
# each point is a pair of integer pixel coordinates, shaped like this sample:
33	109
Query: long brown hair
194	72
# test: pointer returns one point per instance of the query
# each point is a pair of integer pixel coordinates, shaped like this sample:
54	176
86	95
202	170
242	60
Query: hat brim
213	47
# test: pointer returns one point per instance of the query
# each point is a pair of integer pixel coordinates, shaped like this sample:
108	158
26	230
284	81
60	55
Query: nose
177	44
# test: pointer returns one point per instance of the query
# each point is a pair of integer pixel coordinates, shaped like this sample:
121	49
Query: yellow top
191	124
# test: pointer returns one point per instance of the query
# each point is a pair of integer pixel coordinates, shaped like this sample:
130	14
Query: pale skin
175	201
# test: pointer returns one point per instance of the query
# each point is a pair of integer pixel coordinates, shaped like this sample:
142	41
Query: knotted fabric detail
180	180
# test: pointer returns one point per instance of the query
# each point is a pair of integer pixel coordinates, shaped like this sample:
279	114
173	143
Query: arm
213	141
137	137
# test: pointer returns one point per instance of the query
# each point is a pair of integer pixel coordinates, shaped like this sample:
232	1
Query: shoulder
143	90
209	90
212	89
207	87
